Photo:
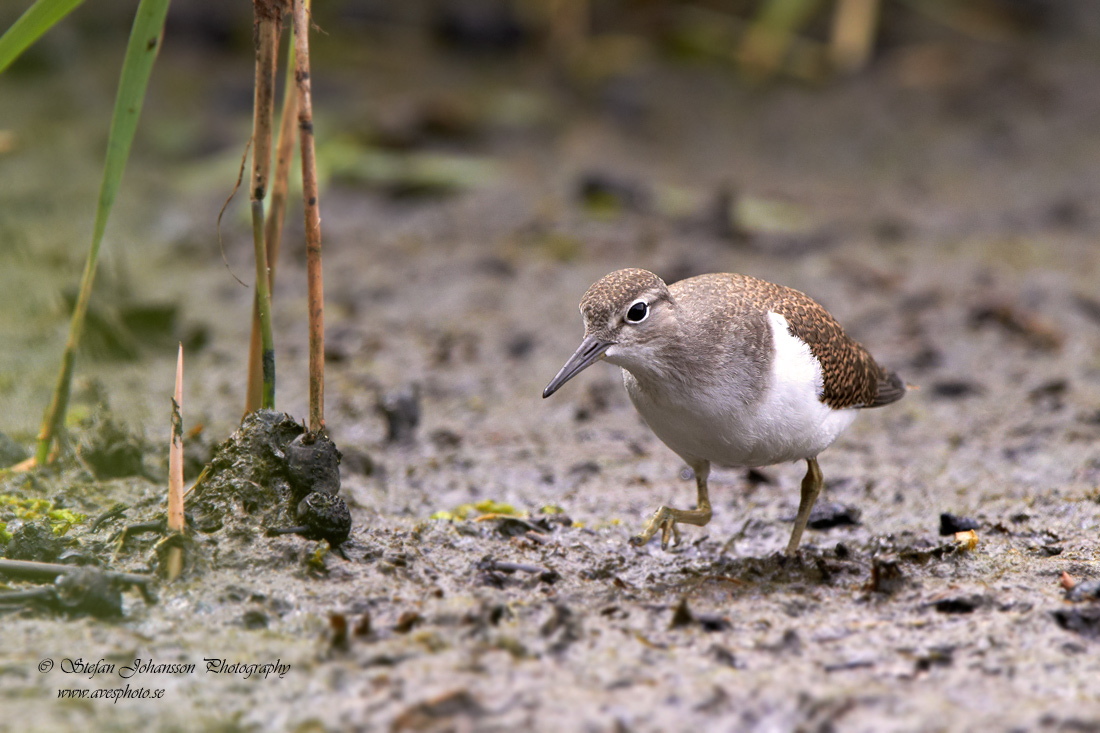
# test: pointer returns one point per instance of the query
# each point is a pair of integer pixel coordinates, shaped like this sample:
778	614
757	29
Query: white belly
724	425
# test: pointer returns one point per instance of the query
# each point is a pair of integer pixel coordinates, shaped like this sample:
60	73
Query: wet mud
455	555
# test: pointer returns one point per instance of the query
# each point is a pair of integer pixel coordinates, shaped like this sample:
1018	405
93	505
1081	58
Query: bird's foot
666	520
663	519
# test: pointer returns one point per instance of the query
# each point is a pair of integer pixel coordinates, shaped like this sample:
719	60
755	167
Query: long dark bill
588	353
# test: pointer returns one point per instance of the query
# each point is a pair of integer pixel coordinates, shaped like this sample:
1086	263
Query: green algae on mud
30	509
100	506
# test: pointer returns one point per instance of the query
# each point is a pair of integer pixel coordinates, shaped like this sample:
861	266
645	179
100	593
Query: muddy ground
942	205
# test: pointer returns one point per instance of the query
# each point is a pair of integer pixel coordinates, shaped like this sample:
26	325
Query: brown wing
852	377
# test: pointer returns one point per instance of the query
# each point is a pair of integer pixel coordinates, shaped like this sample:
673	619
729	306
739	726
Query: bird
731	370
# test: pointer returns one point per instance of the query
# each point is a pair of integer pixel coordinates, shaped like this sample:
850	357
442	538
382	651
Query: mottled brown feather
851	376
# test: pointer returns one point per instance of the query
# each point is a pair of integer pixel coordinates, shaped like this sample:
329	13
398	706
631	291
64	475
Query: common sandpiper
730	370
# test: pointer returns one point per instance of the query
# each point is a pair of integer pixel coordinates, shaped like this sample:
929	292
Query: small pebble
313	464
827	514
326	517
1083	620
682	616
1089	590
401	409
34	541
11	452
960	604
90	591
886	575
952	523
407	622
954	389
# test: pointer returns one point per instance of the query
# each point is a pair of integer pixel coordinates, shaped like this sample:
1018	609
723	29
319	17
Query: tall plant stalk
853	34
268	18
175	472
313	220
141	53
273	226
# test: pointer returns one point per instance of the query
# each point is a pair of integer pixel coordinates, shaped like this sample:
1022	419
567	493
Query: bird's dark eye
637	312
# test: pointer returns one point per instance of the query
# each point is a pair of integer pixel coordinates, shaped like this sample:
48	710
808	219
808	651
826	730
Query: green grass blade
38	19
141	52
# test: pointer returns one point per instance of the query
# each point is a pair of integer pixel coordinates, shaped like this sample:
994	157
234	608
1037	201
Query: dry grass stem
273	226
853	35
175	472
313	219
268	19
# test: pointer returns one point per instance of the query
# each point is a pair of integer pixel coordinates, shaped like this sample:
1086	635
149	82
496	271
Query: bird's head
626	316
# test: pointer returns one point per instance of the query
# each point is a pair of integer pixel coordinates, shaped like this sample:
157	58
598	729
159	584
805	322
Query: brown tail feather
890	389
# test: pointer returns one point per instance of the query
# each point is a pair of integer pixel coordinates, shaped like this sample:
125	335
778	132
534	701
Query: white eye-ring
638	312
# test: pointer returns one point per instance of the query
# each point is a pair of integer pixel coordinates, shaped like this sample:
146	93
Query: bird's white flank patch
793	412
795	368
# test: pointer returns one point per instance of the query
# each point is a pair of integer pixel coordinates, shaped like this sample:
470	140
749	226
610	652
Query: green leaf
38	19
141	52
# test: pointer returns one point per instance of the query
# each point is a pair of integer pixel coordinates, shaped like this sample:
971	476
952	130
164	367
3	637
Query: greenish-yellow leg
665	518
811	487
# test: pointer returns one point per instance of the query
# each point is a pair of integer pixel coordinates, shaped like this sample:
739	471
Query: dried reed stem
175	473
853	34
313	219
273	226
268	17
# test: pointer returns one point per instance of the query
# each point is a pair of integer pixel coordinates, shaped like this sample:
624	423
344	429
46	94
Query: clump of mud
34	541
274	474
11	452
109	449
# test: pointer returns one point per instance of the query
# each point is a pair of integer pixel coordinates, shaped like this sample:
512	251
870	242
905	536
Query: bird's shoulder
731	300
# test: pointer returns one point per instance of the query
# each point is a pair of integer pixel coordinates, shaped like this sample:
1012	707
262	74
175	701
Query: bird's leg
665	518
811	487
